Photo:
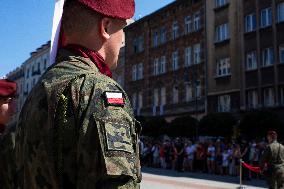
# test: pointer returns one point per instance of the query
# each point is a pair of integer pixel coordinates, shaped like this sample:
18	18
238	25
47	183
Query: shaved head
77	19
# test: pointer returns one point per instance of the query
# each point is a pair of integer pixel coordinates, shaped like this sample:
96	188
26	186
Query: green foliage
256	124
153	126
217	124
183	126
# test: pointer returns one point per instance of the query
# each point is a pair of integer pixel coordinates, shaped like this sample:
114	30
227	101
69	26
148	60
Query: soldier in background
272	162
7	108
77	128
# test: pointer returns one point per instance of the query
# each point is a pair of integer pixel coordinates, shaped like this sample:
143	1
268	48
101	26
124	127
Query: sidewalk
202	178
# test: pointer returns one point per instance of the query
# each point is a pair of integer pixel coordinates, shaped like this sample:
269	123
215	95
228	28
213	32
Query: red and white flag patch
114	98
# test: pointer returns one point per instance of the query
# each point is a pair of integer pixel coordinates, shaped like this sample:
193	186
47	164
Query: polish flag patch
114	98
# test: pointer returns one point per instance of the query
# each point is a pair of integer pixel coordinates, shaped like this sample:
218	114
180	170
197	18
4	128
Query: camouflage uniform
7	161
68	137
273	156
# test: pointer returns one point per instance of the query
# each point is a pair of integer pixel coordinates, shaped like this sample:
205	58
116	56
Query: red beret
123	9
7	88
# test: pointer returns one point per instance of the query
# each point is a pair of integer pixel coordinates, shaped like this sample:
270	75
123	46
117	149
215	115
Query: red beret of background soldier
7	108
7	105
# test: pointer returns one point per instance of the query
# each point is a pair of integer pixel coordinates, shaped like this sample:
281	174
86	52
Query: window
141	44
134	72
196	21
252	99
163	96
282	96
224	103
187	56
197	53
188	92
135	45
163	65
134	101
197	89
156	66
175	60
250	23
27	87
267	56
175	30
44	64
266	17
268	97
163	35
251	62
138	44
220	3
155	39
140	99
222	32
156	97
140	103
28	73
188	24
175	94
140	71
281	54
223	67
280	12
38	66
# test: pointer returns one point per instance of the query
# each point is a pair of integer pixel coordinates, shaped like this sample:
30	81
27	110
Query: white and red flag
114	98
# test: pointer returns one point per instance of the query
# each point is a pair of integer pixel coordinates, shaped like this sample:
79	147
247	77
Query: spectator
211	155
189	157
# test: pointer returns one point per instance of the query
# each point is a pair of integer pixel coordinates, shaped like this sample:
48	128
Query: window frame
252	55
266	14
222	32
250	22
223	67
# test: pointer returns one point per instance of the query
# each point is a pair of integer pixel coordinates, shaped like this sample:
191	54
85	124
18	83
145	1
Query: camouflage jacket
7	161
68	136
273	155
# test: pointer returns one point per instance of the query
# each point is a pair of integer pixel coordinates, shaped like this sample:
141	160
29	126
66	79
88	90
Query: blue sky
26	24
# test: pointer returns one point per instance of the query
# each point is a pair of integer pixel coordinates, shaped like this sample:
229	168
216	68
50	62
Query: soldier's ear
105	27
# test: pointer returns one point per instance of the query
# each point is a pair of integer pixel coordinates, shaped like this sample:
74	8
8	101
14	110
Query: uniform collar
95	57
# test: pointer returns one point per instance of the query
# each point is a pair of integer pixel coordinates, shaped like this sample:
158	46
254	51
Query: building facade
223	55
34	67
262	54
245	54
165	61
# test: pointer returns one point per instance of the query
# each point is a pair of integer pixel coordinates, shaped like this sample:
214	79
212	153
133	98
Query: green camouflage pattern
67	137
7	161
273	156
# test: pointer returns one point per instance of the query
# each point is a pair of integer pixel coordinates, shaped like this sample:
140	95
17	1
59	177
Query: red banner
252	168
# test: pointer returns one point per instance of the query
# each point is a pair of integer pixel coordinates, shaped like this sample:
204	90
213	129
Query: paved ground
168	179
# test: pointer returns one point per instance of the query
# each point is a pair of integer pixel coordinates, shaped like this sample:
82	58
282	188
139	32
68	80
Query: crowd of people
207	155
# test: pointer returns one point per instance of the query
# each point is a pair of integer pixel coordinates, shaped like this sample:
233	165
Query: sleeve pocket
118	148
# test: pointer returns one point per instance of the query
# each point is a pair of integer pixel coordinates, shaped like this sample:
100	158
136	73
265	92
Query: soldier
272	162
7	108
77	128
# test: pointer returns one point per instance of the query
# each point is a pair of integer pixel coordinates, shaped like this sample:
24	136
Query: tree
255	124
217	124
154	126
183	126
